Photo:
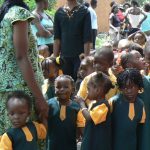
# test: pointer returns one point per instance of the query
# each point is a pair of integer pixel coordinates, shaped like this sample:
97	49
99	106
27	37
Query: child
86	68
103	61
128	110
97	132
147	57
139	38
130	60
50	69
24	133
64	116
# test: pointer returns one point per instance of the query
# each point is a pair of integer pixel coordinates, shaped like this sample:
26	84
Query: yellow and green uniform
62	124
24	138
97	132
83	86
144	136
126	117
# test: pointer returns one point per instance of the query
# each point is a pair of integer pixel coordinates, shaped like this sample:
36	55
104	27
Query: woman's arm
145	16
41	30
20	41
111	23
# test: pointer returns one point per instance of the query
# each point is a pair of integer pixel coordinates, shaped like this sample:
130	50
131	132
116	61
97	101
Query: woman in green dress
18	59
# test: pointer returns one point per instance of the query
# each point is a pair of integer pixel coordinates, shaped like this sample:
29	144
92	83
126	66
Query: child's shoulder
139	101
116	98
74	105
53	101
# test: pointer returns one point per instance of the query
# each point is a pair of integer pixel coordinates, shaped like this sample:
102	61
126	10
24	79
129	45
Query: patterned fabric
11	78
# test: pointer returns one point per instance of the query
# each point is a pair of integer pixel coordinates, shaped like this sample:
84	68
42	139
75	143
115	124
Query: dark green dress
20	139
98	137
144	136
124	130
62	134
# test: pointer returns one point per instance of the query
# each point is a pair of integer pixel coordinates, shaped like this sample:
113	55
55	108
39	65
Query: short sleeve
83	88
20	14
57	28
143	116
99	114
41	130
5	143
87	28
80	119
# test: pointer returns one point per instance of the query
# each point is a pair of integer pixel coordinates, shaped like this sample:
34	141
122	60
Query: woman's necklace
70	12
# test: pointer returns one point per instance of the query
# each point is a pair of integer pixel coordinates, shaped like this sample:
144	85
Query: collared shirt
73	28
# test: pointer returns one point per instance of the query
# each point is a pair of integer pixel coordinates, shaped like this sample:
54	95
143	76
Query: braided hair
132	75
22	96
65	77
102	79
10	3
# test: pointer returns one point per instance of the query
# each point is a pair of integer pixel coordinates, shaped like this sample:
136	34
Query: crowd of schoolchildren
106	108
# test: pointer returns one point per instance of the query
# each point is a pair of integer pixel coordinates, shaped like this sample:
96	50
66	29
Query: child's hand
79	99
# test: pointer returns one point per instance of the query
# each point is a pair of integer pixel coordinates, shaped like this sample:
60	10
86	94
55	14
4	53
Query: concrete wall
102	11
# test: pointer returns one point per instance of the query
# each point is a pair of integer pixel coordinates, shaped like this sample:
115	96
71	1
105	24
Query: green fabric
62	134
124	130
97	137
144	138
11	78
50	91
18	138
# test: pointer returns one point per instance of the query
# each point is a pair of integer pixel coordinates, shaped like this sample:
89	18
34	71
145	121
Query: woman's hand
41	107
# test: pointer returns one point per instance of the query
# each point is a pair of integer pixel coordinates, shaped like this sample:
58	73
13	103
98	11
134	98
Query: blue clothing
46	23
145	26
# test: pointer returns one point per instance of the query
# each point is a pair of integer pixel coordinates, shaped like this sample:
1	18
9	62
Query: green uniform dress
144	136
11	78
125	120
62	134
24	138
97	132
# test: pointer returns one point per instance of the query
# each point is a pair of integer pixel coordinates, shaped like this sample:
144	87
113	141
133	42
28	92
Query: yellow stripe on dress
27	133
62	114
131	111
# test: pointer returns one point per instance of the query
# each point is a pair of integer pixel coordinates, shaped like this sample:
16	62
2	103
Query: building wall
102	10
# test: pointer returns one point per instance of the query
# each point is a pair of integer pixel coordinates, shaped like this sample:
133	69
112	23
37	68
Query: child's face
93	91
130	91
49	69
63	89
139	39
101	64
147	57
85	69
138	62
18	112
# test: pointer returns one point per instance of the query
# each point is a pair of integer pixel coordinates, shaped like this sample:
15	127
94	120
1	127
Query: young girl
24	133
50	68
97	132
86	68
128	111
64	116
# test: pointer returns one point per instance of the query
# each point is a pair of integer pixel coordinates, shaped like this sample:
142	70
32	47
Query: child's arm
97	114
84	109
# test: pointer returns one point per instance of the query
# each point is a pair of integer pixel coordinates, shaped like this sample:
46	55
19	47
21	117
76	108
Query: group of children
106	109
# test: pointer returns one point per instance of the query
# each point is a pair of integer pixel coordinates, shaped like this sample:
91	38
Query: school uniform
83	87
24	138
126	117
97	132
144	136
62	124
